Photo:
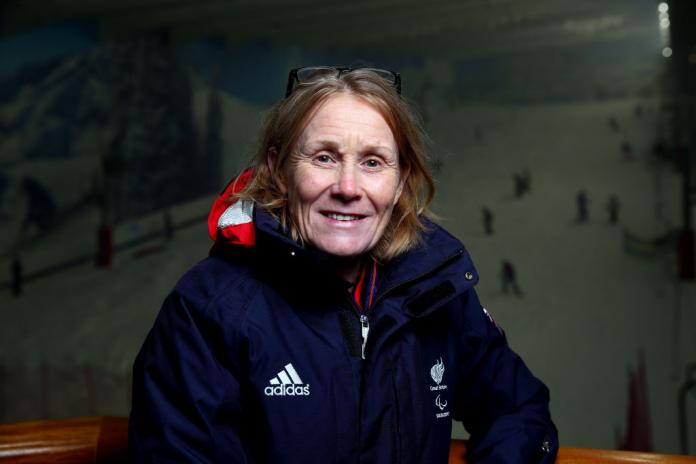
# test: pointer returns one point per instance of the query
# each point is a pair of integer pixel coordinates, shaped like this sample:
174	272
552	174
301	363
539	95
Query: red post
105	247
687	255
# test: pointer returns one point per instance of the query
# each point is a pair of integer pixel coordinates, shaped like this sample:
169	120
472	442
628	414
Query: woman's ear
274	169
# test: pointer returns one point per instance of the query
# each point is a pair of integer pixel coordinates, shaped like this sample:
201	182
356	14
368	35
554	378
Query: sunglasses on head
310	73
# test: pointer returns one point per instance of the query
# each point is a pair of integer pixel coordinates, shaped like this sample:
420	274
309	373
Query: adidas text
287	390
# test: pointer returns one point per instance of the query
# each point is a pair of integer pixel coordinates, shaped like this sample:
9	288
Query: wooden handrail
104	440
570	455
79	440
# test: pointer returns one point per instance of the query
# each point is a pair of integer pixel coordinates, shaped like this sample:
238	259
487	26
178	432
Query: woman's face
344	177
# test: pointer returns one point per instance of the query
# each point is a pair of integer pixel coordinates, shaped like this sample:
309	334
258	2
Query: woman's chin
344	251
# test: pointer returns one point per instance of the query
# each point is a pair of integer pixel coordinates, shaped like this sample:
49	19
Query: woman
333	322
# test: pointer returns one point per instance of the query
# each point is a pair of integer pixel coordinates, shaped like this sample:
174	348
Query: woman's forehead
346	116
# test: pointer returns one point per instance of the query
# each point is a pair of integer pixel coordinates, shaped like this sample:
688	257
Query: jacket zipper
364	332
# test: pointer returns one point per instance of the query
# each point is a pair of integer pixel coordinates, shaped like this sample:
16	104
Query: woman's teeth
343	217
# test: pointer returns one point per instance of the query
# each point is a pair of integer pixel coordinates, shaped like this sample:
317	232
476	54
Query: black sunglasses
303	75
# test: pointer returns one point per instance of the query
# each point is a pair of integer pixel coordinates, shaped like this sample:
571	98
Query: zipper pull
364	330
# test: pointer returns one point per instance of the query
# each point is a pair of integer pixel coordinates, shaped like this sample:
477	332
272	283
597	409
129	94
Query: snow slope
588	308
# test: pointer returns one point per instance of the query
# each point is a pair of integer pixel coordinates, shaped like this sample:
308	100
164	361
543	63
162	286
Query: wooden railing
80	441
569	455
91	440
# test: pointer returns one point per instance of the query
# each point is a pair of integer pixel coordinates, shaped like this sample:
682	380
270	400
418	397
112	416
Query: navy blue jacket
257	357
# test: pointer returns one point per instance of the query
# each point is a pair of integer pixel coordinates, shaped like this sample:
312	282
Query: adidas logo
287	383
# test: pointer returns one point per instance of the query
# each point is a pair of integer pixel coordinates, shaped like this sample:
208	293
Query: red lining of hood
240	233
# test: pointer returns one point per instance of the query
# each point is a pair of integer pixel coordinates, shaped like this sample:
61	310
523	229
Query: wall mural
107	148
117	124
115	146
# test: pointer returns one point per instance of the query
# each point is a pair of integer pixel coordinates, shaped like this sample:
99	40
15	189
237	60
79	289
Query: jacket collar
437	250
436	270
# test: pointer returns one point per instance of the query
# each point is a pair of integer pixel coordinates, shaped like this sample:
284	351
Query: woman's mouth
343	217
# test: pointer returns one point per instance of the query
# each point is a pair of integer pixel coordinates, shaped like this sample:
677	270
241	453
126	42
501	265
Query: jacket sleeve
186	404
502	405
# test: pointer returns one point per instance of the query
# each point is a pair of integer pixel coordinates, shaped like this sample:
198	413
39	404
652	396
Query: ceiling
462	27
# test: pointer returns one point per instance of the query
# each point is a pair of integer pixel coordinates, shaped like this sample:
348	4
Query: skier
519	184
581	201
487	220
509	278
17	277
526	179
613	124
613	209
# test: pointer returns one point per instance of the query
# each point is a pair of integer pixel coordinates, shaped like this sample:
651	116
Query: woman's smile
344	177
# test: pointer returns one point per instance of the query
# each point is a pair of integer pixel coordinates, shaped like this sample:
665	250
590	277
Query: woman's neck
349	267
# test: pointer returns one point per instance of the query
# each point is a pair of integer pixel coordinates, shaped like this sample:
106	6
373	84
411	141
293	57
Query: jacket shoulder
216	282
436	240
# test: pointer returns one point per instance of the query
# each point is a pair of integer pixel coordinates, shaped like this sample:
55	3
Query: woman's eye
372	163
323	159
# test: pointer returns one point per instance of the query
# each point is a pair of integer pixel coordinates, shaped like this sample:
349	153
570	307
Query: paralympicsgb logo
437	371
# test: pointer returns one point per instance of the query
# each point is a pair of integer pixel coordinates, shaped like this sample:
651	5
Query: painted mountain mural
114	124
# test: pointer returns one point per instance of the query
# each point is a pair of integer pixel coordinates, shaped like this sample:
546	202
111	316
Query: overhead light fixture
667	52
663	7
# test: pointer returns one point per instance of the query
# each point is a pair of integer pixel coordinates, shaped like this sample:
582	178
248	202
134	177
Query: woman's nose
346	186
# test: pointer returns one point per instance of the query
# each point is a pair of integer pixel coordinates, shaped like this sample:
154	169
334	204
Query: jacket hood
230	220
239	223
